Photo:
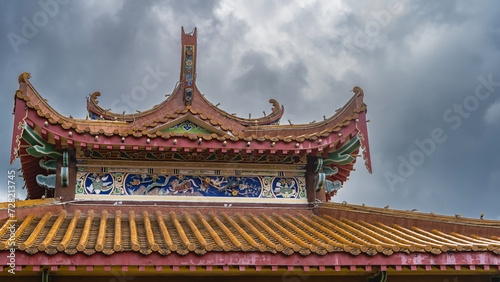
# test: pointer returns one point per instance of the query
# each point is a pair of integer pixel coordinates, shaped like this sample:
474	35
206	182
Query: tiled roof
146	122
146	135
184	233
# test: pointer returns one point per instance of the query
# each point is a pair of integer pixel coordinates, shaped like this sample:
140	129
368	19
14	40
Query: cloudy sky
430	71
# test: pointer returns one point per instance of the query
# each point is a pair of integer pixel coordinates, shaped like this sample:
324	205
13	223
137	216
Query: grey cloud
425	60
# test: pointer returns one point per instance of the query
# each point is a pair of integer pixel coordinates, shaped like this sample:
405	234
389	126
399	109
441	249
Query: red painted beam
44	134
71	144
255	258
30	122
340	143
183	142
57	139
57	129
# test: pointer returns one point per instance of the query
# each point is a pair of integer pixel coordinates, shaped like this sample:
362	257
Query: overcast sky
429	69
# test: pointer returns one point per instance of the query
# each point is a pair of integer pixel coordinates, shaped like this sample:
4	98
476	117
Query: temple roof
150	125
217	125
186	122
302	232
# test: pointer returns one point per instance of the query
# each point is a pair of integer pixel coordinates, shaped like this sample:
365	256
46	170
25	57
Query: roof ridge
412	214
28	203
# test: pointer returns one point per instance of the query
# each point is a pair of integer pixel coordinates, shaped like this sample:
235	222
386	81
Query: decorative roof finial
23	77
188	64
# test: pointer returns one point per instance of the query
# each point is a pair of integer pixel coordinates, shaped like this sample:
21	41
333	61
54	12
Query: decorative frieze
210	183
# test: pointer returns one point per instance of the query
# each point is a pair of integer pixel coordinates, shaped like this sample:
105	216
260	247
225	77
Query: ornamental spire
188	65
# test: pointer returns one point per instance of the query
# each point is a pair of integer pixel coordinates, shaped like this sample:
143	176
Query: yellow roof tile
288	234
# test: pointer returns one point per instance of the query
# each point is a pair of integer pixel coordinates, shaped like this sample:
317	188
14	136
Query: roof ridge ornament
93	97
188	65
23	77
358	91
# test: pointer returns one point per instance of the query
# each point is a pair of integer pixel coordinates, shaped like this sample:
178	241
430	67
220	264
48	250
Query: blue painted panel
190	185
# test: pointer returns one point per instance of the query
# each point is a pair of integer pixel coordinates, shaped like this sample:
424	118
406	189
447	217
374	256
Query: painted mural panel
152	184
